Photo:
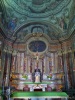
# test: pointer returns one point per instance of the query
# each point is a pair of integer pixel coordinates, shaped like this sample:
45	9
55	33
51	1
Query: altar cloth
20	94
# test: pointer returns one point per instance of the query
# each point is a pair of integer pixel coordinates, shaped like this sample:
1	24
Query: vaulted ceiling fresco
18	18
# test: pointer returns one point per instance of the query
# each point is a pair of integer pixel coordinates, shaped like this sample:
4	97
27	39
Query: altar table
26	95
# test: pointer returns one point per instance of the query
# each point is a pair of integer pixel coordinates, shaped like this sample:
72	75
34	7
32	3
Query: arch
48	24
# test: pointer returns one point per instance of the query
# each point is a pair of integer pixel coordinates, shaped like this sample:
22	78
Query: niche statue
37	76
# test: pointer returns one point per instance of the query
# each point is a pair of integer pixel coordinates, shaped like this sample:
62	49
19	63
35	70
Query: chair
26	88
48	88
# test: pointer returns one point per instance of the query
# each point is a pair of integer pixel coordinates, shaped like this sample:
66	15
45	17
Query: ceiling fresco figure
12	25
63	24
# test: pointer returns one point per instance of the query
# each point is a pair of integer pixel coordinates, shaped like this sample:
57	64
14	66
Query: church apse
36	65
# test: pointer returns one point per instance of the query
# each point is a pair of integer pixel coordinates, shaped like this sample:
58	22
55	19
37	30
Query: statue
37	75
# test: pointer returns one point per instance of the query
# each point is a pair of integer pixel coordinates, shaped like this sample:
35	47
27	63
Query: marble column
31	64
42	65
66	75
3	56
16	63
5	68
60	64
9	68
71	59
68	61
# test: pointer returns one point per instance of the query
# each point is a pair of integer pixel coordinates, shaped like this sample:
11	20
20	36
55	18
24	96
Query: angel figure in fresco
12	24
62	23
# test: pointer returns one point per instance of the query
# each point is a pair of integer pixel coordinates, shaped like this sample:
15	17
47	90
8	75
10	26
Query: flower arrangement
49	76
60	86
25	76
13	76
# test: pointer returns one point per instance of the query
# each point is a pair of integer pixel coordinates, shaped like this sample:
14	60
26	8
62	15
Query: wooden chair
26	88
48	88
